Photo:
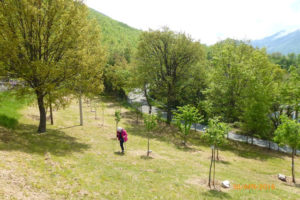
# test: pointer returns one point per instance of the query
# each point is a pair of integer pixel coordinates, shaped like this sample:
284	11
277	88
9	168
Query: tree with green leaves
137	106
150	123
44	43
117	117
185	117
243	87
291	92
288	133
165	58
215	136
260	95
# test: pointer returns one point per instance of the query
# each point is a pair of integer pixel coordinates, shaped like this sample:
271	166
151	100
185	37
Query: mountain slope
115	34
284	42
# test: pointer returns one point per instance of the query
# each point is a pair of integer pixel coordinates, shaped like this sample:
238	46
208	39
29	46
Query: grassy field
9	106
83	162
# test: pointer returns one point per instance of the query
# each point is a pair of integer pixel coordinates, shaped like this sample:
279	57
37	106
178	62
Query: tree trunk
80	110
42	125
95	110
214	166
103	117
169	115
148	152
211	161
297	113
217	153
51	113
91	106
147	99
293	170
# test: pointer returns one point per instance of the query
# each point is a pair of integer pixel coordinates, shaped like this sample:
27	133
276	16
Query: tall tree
165	58
43	43
291	92
259	95
227	78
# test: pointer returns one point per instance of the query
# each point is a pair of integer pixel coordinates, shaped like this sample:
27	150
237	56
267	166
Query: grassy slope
77	162
9	106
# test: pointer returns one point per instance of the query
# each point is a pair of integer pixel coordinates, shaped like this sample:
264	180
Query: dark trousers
121	144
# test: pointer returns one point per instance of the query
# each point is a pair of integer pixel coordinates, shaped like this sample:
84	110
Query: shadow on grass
119	153
292	185
223	162
215	194
250	151
146	157
67	127
25	139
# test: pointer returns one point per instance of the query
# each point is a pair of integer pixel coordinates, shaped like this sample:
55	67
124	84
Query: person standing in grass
122	137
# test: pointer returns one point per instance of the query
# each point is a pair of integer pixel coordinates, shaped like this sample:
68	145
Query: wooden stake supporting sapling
215	135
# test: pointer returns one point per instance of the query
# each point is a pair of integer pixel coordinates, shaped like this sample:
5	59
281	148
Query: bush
8	122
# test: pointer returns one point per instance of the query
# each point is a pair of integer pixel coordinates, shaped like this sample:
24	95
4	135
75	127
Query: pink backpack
124	135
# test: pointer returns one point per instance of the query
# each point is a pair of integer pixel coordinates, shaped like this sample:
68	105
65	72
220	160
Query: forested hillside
115	34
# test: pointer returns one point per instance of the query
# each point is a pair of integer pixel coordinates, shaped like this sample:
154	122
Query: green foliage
120	40
185	116
216	132
48	44
285	61
118	37
150	122
243	85
136	107
288	133
159	116
164	59
118	116
290	91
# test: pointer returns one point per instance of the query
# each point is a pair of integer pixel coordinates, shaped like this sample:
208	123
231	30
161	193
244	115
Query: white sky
206	20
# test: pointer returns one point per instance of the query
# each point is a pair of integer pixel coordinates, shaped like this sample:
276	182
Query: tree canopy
45	44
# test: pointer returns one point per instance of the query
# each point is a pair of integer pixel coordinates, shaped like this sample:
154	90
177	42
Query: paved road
137	96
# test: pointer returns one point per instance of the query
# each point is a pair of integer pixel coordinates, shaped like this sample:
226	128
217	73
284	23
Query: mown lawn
83	162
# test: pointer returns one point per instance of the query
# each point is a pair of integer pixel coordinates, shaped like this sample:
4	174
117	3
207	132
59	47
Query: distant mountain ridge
284	42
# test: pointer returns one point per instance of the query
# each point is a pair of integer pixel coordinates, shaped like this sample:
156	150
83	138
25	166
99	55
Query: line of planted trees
231	80
53	47
56	50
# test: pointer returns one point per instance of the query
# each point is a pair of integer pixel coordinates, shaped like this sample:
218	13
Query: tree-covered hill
115	34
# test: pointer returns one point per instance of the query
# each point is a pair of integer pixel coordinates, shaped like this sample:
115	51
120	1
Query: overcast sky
206	20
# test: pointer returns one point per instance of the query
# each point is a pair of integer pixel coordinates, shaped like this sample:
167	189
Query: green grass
83	162
10	105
